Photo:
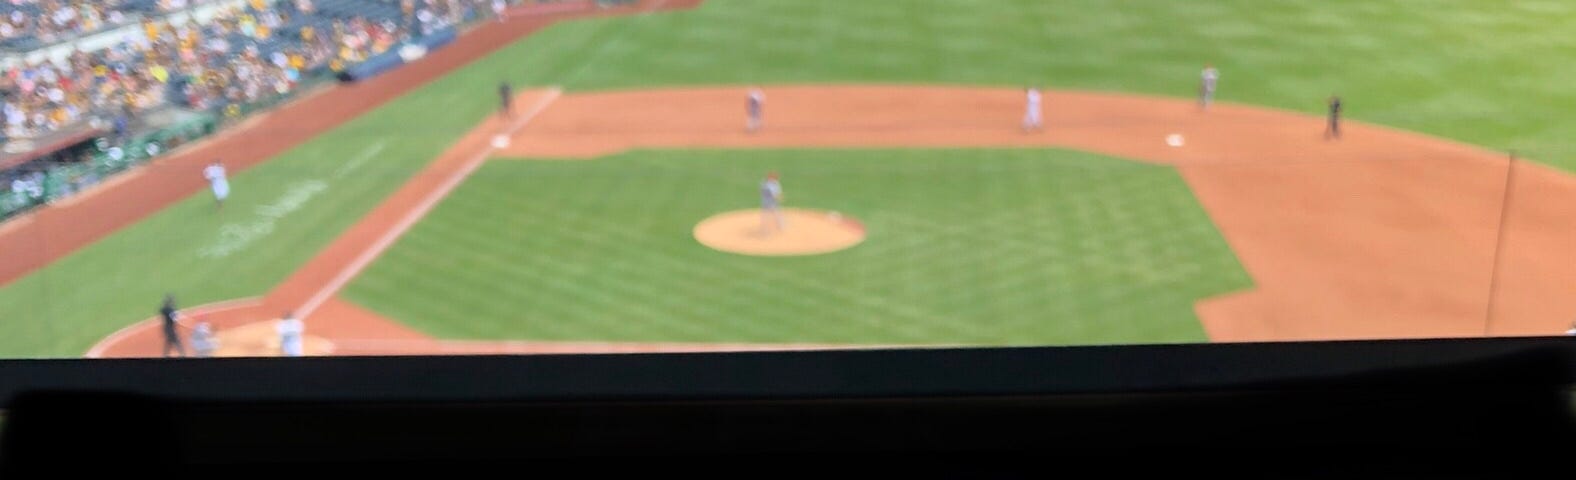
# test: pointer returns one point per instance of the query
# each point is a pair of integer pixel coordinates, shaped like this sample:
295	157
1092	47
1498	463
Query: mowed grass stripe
1470	70
630	290
993	246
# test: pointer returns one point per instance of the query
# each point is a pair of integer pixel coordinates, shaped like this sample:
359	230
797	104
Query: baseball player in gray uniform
1206	86
753	104
771	204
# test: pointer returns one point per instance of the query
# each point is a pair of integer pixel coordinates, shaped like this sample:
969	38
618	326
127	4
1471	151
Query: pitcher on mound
771	205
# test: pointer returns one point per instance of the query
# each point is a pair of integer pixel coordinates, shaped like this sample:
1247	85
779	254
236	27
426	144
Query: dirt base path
52	232
1383	234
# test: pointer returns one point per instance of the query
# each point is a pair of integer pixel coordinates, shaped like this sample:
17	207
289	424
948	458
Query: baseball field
402	215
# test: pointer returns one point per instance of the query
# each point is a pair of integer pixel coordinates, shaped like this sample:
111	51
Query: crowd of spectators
261	50
360	38
52	20
240	56
427	16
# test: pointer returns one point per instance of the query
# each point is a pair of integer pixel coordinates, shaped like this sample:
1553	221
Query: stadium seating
29	38
243	60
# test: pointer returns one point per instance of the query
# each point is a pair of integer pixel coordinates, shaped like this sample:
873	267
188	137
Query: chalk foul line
137	328
427	203
233	238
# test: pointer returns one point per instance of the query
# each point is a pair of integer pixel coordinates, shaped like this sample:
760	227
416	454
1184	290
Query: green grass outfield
1484	72
965	246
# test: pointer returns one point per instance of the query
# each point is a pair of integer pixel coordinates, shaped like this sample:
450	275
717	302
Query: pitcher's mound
807	232
260	340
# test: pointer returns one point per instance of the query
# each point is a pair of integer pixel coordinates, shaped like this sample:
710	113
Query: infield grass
999	247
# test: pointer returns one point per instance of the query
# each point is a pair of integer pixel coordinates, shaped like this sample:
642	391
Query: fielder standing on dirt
754	103
1031	110
1206	86
771	204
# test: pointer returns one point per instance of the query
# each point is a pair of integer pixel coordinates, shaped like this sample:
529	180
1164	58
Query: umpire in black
505	100
1333	129
172	338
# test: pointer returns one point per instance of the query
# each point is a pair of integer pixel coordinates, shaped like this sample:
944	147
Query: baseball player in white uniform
217	181
1206	86
291	331
1031	113
771	204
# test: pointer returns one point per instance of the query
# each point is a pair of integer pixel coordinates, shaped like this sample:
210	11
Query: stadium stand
173	71
30	24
